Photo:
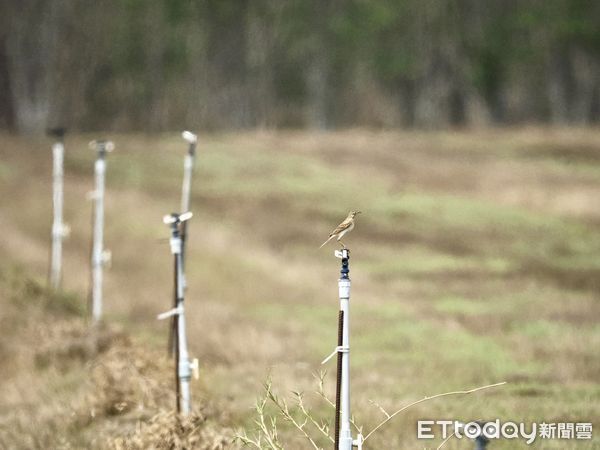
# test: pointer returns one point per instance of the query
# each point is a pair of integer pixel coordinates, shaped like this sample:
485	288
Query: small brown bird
345	227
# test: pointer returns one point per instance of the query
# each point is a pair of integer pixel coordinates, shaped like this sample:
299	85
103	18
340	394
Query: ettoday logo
496	429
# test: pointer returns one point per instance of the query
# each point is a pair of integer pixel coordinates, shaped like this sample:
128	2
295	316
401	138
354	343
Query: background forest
220	64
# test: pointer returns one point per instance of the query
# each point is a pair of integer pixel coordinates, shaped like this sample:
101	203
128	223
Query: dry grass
475	261
72	385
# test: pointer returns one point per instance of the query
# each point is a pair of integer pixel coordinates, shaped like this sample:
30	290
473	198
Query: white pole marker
100	257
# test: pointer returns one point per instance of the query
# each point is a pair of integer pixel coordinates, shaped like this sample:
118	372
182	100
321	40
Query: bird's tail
330	238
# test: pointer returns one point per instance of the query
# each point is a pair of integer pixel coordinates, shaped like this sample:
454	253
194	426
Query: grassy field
476	260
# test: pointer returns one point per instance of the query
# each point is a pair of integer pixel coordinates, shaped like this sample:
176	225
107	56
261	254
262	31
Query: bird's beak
358	212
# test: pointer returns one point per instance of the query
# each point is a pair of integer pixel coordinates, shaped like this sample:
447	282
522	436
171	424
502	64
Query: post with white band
184	367
100	257
59	229
186	189
343	433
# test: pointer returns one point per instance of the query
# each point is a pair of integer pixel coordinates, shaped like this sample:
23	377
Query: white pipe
97	252
58	229
345	431
184	369
184	366
99	256
186	189
188	165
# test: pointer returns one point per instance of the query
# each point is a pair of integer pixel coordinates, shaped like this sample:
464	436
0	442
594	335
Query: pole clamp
338	349
195	367
170	313
175	245
106	258
63	230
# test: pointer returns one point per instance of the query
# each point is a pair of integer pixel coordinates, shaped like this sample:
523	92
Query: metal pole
338	385
99	256
59	230
183	360
481	443
188	168
184	367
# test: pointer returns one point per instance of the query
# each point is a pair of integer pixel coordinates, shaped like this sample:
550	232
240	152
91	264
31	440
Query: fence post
99	256
188	169
184	367
343	433
59	229
345	436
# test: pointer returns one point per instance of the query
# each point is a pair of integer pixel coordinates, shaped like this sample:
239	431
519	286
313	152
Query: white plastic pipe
184	369
188	167
185	366
99	256
186	189
345	431
97	252
58	229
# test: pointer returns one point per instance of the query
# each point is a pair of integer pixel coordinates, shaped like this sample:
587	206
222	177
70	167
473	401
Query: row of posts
60	230
184	366
177	222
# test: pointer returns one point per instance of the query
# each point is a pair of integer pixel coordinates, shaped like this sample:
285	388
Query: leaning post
186	189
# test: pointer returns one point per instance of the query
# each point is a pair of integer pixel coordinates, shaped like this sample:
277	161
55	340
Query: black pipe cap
57	132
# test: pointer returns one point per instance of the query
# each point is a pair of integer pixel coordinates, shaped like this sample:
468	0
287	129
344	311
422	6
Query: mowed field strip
476	259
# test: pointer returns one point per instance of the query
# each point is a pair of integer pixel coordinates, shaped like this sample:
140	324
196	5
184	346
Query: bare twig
380	408
267	437
285	412
322	427
445	394
321	393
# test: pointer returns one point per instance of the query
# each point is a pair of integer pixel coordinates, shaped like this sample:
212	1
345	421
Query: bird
345	227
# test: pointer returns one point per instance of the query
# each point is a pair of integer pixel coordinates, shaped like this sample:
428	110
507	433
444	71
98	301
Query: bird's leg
342	244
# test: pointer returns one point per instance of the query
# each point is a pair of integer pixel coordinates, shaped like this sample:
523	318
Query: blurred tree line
170	64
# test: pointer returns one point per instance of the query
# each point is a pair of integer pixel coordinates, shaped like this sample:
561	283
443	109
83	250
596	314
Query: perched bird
345	227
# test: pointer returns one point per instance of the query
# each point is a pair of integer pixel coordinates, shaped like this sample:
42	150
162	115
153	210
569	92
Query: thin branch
266	432
321	393
445	394
322	427
270	437
285	412
380	408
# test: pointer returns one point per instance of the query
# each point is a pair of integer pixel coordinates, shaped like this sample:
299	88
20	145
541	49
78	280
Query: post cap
172	218
342	254
57	132
190	137
102	145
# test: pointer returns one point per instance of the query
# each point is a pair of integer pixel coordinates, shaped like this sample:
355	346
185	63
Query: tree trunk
31	47
318	70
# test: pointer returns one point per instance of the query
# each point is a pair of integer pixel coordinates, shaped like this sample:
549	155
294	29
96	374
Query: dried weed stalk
266	435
